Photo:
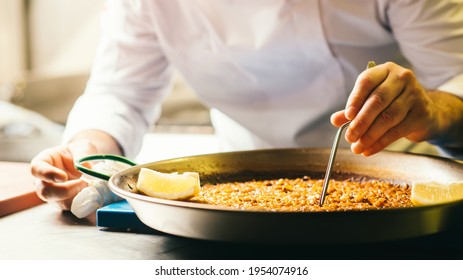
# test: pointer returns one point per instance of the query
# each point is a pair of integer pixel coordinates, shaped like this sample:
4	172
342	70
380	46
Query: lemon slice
428	193
168	185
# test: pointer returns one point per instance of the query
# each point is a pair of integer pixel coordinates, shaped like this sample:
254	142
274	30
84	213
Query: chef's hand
57	179
388	103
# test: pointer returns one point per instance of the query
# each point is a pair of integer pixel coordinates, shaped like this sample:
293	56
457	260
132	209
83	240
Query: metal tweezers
329	169
334	150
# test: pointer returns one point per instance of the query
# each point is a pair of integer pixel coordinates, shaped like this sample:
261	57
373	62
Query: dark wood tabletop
17	190
44	232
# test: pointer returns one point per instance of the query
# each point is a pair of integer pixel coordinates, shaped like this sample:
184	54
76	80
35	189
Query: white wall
63	36
12	59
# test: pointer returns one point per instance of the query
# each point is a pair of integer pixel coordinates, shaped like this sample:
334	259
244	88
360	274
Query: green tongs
91	172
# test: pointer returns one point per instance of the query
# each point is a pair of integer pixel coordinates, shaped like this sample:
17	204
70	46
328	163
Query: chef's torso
274	71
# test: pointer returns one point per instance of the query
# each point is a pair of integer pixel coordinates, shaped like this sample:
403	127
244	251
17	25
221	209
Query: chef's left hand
388	103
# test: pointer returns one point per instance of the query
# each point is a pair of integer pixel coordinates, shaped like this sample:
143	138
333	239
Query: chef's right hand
57	179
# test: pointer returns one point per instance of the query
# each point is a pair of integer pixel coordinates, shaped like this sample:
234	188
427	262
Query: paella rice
302	195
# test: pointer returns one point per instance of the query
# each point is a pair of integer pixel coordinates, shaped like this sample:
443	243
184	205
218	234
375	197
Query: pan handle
88	171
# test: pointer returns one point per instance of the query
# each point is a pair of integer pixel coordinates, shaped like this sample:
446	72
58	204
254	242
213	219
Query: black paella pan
209	222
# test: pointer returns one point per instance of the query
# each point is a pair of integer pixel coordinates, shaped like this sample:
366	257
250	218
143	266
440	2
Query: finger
366	82
48	165
410	125
80	149
57	164
390	136
394	114
59	191
75	151
46	172
338	118
380	99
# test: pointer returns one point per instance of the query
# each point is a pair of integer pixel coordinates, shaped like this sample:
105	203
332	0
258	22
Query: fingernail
367	153
358	148
58	179
353	150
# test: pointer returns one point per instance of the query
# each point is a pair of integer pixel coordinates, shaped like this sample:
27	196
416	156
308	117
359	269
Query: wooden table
44	232
17	191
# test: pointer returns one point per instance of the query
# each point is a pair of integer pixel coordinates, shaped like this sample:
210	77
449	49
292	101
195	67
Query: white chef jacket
273	71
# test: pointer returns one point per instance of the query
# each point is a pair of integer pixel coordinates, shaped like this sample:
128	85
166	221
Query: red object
17	190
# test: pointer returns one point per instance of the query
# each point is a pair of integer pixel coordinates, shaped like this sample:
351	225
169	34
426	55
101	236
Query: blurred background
46	52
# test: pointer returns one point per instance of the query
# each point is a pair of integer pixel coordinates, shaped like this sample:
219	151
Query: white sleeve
129	79
454	85
430	35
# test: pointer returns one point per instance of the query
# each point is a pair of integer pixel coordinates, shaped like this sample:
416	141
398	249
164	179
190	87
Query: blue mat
120	216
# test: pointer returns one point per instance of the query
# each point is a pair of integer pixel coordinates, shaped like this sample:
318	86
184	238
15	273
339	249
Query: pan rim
187	204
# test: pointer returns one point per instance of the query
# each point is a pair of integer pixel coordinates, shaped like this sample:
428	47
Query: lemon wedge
168	185
428	193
